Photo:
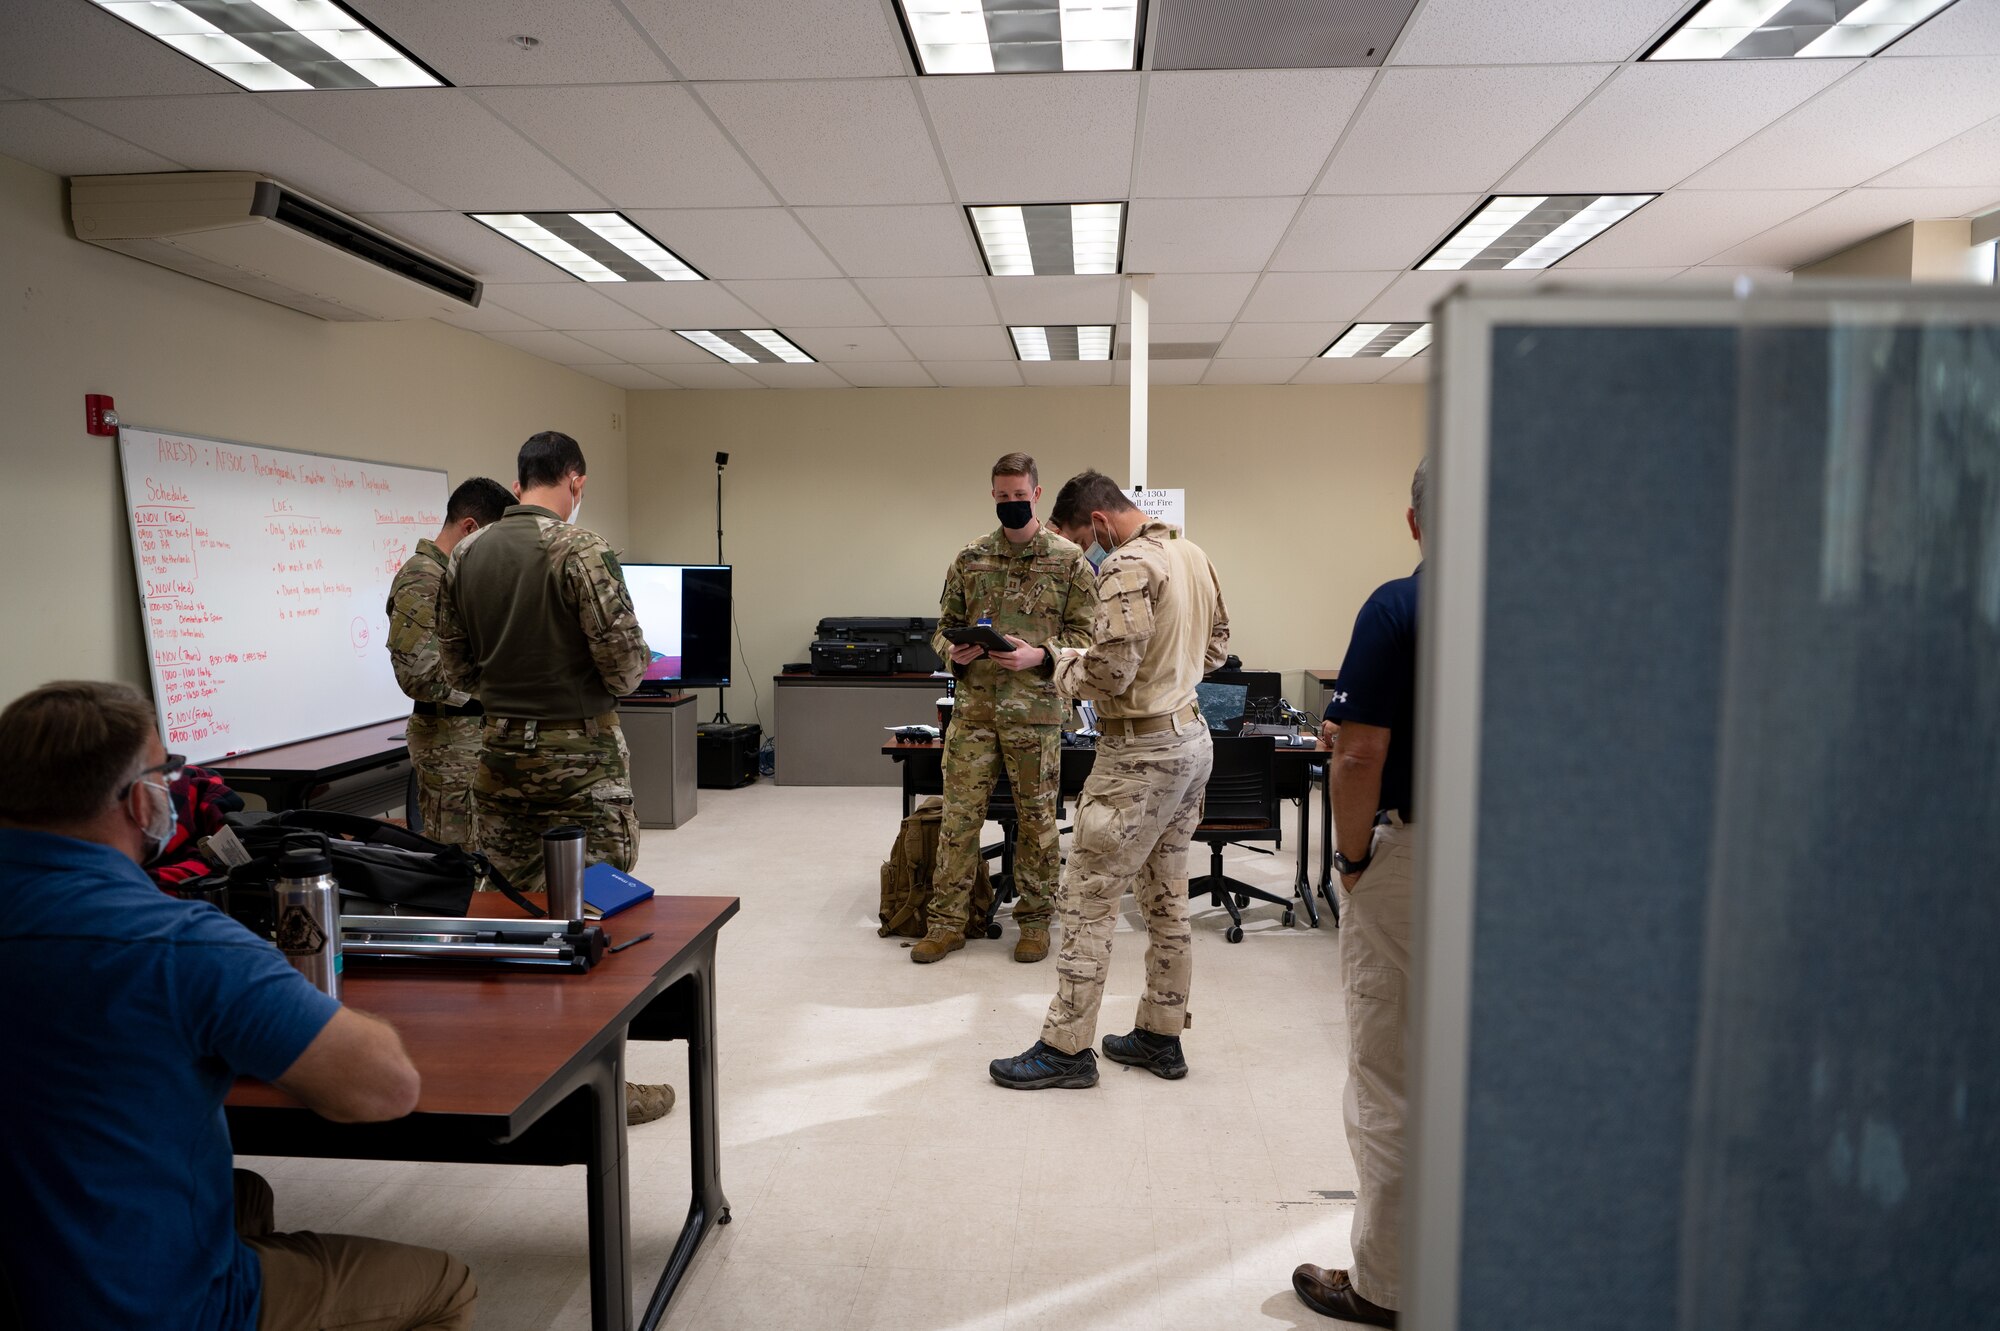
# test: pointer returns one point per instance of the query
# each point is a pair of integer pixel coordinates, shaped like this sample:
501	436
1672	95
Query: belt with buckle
1131	727
471	708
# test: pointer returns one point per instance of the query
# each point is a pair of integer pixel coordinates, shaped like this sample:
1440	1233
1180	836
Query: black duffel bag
377	864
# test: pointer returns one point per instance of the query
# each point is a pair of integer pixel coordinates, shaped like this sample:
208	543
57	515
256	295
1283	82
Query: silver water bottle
305	906
562	871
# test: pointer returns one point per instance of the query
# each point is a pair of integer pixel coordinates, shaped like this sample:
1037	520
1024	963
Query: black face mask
1015	514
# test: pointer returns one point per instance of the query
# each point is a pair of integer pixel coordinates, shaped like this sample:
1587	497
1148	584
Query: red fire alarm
98	415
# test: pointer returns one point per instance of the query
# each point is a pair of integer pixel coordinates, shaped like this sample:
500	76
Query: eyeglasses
170	769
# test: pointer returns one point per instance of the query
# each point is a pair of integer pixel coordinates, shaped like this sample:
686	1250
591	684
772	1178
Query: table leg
1326	888
1302	880
694	1021
909	784
608	1197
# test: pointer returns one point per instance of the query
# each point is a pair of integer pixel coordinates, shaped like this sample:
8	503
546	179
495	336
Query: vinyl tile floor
878	1179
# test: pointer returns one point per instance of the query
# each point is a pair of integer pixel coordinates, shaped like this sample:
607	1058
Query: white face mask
576	513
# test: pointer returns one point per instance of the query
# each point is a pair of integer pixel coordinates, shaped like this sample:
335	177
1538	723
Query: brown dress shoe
934	945
644	1103
1332	1294
1034	944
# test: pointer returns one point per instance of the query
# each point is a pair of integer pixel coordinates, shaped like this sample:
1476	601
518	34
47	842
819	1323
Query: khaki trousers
1374	970
320	1282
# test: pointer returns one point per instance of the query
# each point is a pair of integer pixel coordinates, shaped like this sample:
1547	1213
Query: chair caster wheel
1234	934
1241	901
1288	917
992	931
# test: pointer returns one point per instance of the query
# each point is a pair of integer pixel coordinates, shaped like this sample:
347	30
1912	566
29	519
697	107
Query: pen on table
630	942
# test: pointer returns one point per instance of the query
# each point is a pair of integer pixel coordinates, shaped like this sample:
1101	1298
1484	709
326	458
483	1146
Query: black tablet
979	635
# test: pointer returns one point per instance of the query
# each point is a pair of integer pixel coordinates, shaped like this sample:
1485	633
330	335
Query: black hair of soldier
549	458
1085	493
482	499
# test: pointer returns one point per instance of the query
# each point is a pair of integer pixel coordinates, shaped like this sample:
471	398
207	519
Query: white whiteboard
263	577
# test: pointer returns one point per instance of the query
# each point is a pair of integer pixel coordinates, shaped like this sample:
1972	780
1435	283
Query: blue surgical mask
1096	554
162	821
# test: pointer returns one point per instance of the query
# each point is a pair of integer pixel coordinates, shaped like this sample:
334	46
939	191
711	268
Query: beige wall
853	502
184	355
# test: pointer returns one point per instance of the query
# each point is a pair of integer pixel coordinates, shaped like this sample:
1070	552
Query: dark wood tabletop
365	746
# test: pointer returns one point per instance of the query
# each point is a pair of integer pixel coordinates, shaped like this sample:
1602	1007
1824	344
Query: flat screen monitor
1225	695
684	611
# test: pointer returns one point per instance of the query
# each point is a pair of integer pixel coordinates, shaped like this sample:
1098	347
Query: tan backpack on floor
906	879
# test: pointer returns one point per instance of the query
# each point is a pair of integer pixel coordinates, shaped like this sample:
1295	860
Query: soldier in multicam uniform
1025	580
536	622
444	724
1160	626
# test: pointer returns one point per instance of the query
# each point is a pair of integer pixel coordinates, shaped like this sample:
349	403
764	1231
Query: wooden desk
528	1068
286	777
1298	770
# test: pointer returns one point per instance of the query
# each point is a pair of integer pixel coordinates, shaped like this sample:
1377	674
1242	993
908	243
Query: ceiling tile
1566	276
1160	334
558	347
1876	118
1970	27
624	376
925	240
1066	373
1654	125
237	132
684	304
929	300
827	303
856	345
1532	32
565	306
976	374
1411	296
1691	226
459	240
996	135
794	376
1204	235
42	136
1358	233
63	48
1195	297
775	39
640	146
1163	372
1248	341
462	155
1304	297
485	318
712	375
1847	219
1347	370
472	44
832	143
932	345
1269	371
886	374
1057	300
1430	131
738	242
1220	133
1415	370
1726	277
653	347
1973	158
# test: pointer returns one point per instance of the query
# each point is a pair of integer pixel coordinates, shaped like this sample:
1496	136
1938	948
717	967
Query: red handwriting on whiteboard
165	493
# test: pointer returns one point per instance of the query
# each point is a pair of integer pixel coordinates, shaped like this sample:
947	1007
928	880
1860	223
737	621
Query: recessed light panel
1383	339
1036	239
1525	231
1786	29
1062	342
593	247
1022	36
271	45
747	346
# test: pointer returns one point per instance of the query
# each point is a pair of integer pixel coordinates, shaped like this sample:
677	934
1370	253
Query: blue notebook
608	890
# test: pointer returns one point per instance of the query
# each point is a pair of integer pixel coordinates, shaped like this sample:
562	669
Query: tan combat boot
1034	944
644	1103
934	945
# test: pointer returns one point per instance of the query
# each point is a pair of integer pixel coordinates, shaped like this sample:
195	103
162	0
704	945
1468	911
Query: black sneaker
1158	1054
1046	1068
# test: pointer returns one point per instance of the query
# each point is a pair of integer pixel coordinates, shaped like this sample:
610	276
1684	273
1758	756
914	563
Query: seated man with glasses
128	1014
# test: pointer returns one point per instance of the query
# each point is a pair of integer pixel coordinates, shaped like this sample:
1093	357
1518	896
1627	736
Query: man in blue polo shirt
1371	726
128	1014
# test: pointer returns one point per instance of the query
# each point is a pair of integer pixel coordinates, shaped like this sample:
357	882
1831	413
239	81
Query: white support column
1141	322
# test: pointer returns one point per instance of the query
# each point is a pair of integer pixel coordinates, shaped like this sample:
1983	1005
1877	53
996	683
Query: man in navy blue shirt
128	1014
1371	727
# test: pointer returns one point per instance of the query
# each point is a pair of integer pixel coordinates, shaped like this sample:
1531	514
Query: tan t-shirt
1160	627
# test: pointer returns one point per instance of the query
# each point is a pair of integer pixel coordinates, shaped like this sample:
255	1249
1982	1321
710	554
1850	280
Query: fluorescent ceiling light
595	247
1022	36
1062	342
1379	339
1783	29
1532	230
270	45
1036	239
747	346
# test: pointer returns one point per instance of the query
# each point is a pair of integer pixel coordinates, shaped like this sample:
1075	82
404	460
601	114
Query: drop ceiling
787	150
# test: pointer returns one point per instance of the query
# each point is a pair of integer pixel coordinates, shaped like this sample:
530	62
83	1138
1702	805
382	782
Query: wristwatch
1348	868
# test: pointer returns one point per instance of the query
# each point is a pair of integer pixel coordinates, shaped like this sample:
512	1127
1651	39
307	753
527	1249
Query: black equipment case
725	756
908	638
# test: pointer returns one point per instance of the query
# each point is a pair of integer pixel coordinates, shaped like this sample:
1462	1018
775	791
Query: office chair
1240	805
1001	809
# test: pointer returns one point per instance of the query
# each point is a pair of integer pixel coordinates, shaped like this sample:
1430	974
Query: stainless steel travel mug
305	906
562	871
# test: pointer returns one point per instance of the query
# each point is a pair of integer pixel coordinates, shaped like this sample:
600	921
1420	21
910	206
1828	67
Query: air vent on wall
250	233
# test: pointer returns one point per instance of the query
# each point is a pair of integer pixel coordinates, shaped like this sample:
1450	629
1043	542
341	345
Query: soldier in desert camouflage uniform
537	623
1160	626
1033	586
444	725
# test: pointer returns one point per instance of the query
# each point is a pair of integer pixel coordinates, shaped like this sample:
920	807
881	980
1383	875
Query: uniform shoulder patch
611	563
